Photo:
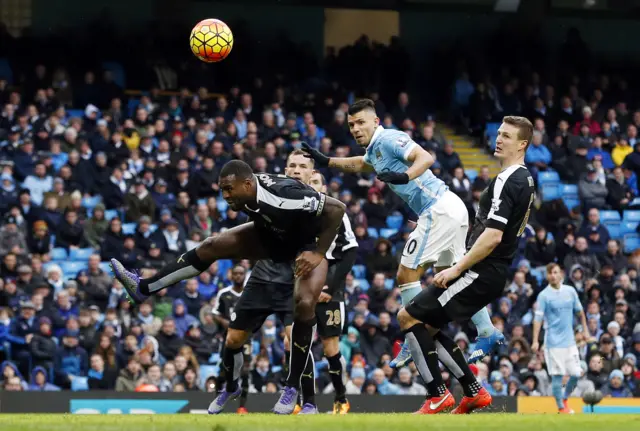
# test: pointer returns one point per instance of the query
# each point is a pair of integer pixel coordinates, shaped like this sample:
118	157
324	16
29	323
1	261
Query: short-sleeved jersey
226	301
344	240
388	152
288	210
505	205
557	308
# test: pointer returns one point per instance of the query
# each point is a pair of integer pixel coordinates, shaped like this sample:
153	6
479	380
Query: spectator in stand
382	259
130	376
169	341
582	256
39	183
593	193
71	360
589	121
616	387
540	249
538	157
620	194
483	179
139	202
596	233
449	159
461	185
11	238
621	150
597	151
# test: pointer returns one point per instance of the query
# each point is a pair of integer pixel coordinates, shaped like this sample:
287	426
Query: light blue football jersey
558	307
388	151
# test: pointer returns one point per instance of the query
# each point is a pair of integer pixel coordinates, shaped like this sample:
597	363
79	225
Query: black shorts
330	317
337	273
280	250
466	295
260	300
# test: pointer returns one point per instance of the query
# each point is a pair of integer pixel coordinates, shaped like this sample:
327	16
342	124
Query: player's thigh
555	359
240	242
330	317
426	308
236	336
308	288
572	362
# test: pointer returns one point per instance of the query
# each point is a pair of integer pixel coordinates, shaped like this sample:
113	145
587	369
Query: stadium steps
472	157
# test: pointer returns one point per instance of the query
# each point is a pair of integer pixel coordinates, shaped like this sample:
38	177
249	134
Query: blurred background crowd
90	171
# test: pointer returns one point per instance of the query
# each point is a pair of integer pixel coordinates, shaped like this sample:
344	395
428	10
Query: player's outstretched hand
320	159
306	262
444	277
393	177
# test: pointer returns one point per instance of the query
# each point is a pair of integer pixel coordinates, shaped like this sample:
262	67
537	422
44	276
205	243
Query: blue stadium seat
631	242
5	70
109	214
373	232
538	274
106	267
472	174
80	383
394	221
631	215
202	201
359	271
547	177
609	215
75	113
91	201
153	228
628	226
80	253
363	283
569	190
388	283
571	202
222	206
129	228
132	105
68	276
614	229
386	233
550	191
59	253
72	267
53	240
118	72
223	266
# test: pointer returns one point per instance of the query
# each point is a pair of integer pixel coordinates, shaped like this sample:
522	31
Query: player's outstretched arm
331	219
420	161
347	164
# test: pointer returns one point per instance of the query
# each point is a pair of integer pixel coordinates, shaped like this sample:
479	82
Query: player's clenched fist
317	156
306	262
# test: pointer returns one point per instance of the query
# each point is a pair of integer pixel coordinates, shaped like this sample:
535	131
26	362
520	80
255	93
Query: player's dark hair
299	152
362	105
238	168
525	128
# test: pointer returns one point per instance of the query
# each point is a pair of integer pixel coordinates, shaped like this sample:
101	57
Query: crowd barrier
107	402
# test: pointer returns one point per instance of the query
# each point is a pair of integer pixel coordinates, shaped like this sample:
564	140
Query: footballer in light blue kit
557	306
443	220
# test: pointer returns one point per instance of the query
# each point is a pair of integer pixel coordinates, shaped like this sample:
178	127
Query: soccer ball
211	40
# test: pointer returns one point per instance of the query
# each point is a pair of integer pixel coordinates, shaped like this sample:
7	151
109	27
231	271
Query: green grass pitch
323	422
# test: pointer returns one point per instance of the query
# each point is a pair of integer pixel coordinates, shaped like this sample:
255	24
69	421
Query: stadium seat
72	267
79	383
631	215
547	177
106	267
109	214
222	206
387	233
394	221
359	271
550	191
153	228
631	242
614	229
80	253
202	201
609	215
571	202
118	72
569	190
472	174
59	253
132	105
91	201
373	232
363	283
223	266
628	227
75	113
538	274
388	283
129	228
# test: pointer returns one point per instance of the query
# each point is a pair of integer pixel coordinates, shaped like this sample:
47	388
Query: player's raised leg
307	290
489	338
239	242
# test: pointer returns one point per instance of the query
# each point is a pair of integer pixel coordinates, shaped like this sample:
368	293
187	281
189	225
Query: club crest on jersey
378	155
495	204
403	141
310	204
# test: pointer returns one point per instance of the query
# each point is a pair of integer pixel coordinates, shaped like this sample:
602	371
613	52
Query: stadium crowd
89	173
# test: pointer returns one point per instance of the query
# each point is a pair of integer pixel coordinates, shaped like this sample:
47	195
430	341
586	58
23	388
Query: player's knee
304	307
331	346
235	339
404	319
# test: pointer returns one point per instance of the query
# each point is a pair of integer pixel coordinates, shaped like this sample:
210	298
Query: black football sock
337	367
186	266
301	339
425	356
232	362
453	358
245	388
308	382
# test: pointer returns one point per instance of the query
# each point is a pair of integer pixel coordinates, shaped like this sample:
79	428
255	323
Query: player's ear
377	120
